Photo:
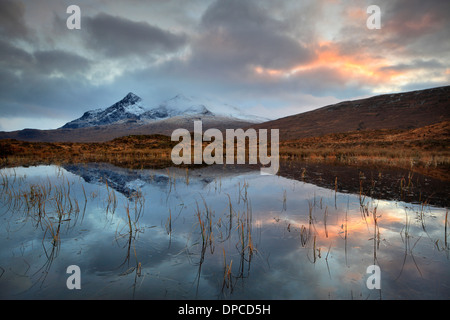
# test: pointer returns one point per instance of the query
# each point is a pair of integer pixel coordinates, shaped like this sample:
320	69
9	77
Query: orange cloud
356	65
356	13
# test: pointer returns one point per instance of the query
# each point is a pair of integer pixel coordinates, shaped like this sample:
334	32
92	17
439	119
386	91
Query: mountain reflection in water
211	233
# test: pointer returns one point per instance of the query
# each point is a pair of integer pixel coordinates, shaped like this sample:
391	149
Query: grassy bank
130	151
424	150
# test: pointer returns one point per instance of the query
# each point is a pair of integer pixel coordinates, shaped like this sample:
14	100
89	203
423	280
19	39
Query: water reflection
381	182
211	233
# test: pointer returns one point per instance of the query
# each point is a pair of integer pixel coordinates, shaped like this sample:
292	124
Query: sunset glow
253	54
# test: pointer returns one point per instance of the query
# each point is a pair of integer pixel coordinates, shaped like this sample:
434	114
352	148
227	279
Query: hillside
425	150
408	110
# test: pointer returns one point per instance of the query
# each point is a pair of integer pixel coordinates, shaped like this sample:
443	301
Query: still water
210	233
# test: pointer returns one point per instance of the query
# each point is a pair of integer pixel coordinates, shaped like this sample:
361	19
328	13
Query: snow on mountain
131	108
184	105
128	181
177	106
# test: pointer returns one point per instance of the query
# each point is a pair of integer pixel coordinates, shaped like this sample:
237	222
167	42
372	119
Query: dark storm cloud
232	39
21	66
39	83
14	57
409	19
120	37
236	34
60	61
12	23
33	95
408	28
43	78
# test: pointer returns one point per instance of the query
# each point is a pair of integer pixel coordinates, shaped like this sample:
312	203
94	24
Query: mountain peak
131	109
131	98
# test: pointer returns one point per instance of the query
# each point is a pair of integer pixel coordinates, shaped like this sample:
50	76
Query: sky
272	58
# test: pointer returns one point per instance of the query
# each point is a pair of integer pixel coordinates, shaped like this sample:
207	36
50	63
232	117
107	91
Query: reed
111	201
303	174
206	226
336	185
316	251
445	229
139	203
304	236
406	238
201	225
129	219
376	234
243	192
84	193
169	223
230	215
43	201
227	274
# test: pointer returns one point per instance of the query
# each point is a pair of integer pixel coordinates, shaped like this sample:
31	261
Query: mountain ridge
129	107
132	108
405	110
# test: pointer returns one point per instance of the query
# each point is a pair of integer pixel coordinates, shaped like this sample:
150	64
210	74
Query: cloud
116	36
12	22
416	65
34	83
12	56
408	28
62	62
233	39
414	18
272	56
235	36
253	50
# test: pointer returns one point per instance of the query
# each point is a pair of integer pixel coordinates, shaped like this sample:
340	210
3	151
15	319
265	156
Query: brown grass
424	150
131	151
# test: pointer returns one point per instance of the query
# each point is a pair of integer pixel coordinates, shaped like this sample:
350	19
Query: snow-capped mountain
128	181
189	105
177	106
131	108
